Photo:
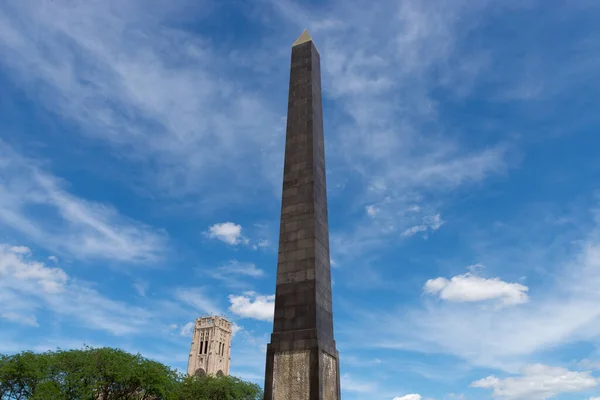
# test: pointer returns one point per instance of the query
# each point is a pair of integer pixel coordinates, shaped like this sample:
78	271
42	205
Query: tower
302	360
211	347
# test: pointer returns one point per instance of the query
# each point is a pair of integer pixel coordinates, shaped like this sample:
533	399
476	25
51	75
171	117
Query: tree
213	388
108	374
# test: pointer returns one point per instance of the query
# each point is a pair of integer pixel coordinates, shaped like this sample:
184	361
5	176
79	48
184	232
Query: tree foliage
109	374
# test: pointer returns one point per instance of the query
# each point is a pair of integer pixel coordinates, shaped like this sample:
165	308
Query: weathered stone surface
329	376
291	378
303	319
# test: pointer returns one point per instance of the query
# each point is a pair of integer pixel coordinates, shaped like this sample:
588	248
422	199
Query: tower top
305	37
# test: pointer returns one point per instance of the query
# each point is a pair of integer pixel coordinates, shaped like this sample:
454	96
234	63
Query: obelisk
302	360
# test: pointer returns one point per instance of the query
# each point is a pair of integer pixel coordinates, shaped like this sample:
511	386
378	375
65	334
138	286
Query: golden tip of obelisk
305	37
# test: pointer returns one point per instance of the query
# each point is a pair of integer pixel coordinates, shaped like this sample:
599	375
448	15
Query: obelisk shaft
302	361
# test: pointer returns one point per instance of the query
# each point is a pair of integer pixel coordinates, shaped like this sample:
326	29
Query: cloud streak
154	94
37	205
29	286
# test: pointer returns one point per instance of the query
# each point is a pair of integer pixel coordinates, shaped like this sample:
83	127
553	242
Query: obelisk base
302	374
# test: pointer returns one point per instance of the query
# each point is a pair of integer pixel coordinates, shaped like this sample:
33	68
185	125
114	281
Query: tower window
201	343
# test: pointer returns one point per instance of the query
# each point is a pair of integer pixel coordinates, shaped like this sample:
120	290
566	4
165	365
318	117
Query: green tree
23	375
108	374
223	388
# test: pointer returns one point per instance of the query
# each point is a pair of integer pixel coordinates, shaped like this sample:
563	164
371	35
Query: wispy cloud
187	329
238	268
589	364
141	287
155	94
28	286
30	320
199	299
37	205
430	222
538	382
352	384
234	274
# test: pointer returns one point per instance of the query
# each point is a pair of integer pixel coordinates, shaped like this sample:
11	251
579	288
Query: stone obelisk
302	360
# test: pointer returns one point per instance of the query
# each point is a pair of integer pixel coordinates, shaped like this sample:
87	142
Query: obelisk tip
305	37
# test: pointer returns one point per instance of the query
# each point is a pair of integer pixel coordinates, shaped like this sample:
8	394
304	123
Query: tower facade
302	360
211	347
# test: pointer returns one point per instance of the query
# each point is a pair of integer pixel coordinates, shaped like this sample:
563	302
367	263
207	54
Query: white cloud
30	320
472	288
261	244
414	229
409	397
78	227
227	232
238	268
454	396
141	287
252	305
371	210
430	222
235	328
187	329
538	382
434	222
33	276
475	268
20	250
28	286
589	364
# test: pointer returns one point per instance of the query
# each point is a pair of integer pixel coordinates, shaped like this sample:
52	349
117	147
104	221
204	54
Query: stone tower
211	347
302	360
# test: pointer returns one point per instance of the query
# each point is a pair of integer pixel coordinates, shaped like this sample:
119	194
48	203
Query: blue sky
141	152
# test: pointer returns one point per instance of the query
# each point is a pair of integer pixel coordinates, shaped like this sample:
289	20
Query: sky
141	153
